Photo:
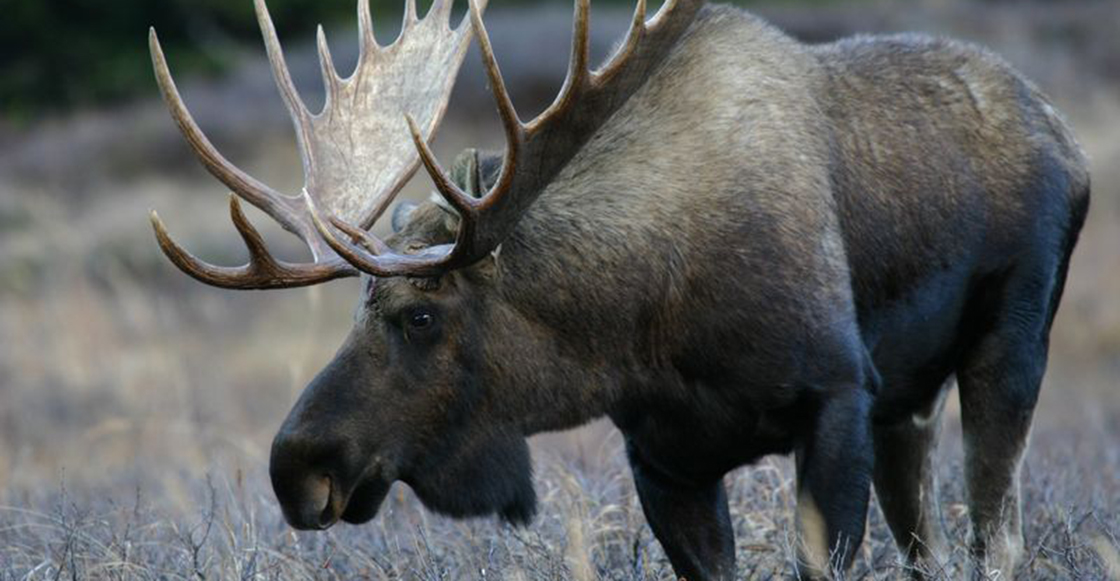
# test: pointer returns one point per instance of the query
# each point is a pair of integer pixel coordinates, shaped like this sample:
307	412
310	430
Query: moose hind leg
691	522
834	466
996	411
999	381
906	485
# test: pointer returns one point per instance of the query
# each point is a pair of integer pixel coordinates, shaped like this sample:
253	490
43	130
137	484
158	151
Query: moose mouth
365	500
325	502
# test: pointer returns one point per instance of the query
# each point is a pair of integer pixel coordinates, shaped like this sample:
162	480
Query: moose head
446	371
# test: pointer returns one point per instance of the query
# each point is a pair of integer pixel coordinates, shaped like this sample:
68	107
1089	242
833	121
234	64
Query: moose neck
620	255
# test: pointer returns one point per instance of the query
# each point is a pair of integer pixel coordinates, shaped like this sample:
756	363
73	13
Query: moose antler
356	152
535	151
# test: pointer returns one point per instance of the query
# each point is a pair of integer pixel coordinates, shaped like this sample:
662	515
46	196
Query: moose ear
465	173
401	214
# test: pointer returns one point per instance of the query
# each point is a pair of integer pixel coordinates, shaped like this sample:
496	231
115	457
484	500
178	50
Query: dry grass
136	406
590	527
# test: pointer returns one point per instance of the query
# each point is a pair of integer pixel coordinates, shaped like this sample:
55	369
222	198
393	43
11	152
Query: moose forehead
388	296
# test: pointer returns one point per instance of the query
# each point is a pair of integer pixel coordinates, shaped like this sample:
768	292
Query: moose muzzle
319	482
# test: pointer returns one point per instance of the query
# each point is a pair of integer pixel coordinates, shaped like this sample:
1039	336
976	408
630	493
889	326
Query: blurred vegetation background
57	54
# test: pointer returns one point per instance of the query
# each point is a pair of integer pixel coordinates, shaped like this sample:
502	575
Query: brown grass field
137	406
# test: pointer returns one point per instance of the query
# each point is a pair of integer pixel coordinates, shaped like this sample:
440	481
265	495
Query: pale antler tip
441	10
640	12
236	214
253	240
580	41
169	247
663	12
330	74
411	121
153	45
365	25
426	156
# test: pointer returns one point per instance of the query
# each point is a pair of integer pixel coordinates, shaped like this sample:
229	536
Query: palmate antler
357	154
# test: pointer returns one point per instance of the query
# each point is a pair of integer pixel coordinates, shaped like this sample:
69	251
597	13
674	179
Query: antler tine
409	15
367	41
369	241
347	251
581	45
639	15
258	252
515	132
376	258
633	37
442	10
431	261
280	71
455	196
331	79
255	192
261	272
664	13
510	121
577	67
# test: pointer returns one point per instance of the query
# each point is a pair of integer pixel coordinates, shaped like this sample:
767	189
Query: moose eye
420	320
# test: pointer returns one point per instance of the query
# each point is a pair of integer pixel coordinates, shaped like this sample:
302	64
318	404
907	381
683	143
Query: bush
59	54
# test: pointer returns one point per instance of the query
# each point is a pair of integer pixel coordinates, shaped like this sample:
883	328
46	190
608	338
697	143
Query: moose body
765	247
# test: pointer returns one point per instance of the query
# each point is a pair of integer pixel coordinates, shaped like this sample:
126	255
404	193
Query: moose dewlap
731	243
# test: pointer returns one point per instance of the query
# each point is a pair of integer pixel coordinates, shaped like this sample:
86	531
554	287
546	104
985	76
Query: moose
730	243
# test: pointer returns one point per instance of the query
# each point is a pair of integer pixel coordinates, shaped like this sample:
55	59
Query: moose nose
307	479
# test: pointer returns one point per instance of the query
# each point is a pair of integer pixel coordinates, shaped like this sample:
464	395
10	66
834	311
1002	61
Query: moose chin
730	243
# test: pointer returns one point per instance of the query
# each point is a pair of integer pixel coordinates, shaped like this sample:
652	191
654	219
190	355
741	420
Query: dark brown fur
770	247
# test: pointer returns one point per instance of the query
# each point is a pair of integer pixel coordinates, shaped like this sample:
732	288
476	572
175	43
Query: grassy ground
137	406
590	527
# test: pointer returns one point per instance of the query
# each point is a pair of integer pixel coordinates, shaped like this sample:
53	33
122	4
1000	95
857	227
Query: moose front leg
834	467
691	522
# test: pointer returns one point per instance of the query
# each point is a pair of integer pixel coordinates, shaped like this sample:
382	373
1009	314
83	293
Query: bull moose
730	243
